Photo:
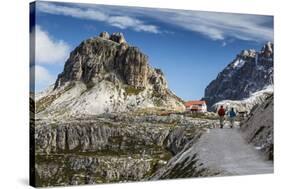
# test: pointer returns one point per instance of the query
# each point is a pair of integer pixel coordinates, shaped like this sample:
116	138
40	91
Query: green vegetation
158	102
202	116
156	94
130	90
65	173
44	102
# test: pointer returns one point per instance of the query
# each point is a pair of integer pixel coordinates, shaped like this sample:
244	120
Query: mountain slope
246	104
106	74
249	72
258	128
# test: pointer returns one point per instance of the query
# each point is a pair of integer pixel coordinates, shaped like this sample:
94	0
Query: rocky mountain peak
251	53
115	74
106	57
267	49
117	37
104	35
249	72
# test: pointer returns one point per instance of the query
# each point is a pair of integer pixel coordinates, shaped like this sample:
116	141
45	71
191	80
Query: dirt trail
227	151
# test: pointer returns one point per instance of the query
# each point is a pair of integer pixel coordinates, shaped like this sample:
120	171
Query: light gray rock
112	147
104	35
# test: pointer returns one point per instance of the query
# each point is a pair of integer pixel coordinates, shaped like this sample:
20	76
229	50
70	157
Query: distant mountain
249	72
106	74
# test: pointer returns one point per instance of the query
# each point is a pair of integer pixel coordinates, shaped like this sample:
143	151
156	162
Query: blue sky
190	47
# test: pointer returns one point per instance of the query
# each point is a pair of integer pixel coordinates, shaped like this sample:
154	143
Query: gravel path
226	150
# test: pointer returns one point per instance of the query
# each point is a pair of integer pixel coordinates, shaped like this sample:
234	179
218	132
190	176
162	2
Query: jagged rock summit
106	74
107	57
249	72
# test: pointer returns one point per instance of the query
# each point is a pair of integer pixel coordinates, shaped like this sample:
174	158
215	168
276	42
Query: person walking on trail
221	114
231	115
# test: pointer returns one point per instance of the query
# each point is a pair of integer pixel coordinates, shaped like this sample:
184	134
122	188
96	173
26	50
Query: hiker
221	114
231	115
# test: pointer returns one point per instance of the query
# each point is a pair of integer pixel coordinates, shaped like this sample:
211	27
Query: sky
190	47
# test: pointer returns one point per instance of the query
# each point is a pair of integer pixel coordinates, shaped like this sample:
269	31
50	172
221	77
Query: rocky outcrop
133	66
116	132
111	147
118	37
258	128
104	35
91	169
184	164
249	72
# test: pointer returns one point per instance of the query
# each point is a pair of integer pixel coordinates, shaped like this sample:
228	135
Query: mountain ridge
249	72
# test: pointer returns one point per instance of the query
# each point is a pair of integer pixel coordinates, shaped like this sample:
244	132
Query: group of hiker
231	115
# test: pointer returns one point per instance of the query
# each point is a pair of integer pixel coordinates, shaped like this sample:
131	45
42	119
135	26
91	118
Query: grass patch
130	90
46	101
202	116
158	102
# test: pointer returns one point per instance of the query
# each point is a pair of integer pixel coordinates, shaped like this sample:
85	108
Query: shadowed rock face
249	72
118	37
258	128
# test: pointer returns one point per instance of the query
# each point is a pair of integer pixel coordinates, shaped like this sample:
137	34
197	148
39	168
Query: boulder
118	37
104	35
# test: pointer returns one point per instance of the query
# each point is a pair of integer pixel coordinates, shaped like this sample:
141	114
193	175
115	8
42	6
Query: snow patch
248	103
239	63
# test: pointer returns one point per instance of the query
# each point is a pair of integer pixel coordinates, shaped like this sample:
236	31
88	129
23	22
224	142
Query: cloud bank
41	77
49	50
220	26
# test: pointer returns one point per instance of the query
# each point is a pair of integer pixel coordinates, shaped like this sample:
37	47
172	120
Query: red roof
194	102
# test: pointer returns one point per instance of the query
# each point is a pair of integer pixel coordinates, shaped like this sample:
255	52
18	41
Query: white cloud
124	22
49	50
71	11
216	26
41	77
119	21
213	25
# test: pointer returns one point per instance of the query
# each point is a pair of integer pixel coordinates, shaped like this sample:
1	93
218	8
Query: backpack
232	114
221	112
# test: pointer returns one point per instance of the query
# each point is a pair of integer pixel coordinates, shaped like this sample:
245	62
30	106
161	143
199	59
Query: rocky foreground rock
114	148
258	128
